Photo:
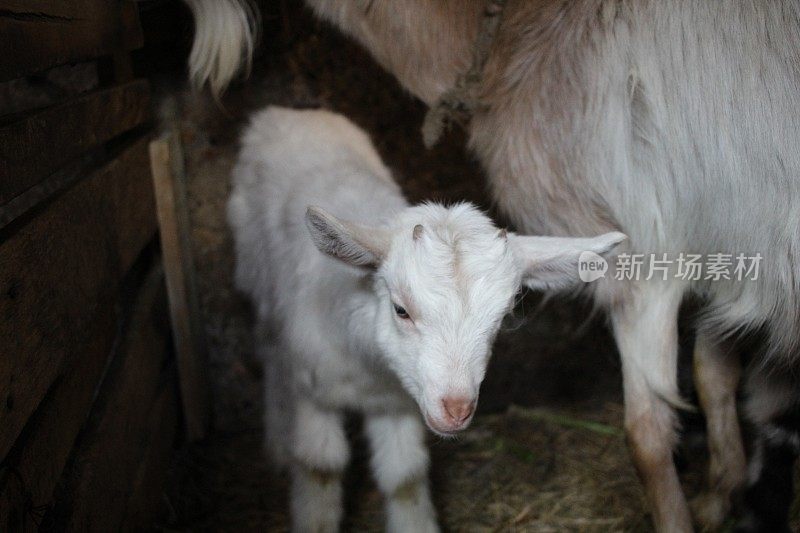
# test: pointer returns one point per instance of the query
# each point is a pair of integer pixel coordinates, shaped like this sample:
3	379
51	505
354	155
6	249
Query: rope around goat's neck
461	101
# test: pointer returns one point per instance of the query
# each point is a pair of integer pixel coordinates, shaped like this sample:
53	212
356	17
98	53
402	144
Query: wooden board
173	218
59	279
96	487
34	146
44	447
147	499
38	34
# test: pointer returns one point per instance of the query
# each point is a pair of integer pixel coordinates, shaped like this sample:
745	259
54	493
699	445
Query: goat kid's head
445	277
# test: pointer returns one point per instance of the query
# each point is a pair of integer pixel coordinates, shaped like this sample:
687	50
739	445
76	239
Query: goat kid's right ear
353	243
552	262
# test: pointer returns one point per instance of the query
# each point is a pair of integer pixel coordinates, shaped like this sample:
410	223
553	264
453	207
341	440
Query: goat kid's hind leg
320	453
773	407
400	465
645	326
716	377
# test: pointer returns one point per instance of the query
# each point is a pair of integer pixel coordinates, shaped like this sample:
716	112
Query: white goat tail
224	40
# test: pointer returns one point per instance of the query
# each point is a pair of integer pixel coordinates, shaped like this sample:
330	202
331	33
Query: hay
543	470
526	470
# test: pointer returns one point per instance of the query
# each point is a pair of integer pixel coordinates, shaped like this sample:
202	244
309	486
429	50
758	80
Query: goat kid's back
289	160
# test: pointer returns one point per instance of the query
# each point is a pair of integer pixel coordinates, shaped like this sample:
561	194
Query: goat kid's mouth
444	431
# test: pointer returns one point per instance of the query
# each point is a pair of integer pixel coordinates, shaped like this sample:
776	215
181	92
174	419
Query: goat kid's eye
400	311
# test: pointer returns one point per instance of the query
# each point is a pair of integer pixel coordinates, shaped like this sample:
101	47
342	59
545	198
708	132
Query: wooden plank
38	34
38	459
95	489
48	439
60	275
173	218
147	499
34	146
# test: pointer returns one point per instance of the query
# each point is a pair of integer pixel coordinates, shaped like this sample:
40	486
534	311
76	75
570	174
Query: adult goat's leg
400	465
716	377
645	326
320	453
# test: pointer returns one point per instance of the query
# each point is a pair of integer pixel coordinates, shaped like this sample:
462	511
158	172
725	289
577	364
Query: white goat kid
405	314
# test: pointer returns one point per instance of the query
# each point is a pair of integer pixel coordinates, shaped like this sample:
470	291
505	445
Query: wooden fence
89	397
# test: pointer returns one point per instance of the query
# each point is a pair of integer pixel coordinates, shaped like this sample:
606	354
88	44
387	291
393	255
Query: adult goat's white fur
676	122
400	318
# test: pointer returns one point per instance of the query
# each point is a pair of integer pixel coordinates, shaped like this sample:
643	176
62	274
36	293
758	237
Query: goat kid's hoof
710	510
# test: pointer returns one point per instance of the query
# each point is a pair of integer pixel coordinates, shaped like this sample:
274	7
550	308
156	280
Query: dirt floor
546	452
523	470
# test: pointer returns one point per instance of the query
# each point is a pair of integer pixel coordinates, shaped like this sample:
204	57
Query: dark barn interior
110	420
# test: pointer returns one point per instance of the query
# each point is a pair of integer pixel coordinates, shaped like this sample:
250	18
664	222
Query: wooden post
173	217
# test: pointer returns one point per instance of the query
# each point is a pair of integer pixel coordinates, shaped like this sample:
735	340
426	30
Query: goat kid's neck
363	321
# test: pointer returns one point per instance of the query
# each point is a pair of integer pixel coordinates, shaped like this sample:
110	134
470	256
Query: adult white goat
675	121
407	313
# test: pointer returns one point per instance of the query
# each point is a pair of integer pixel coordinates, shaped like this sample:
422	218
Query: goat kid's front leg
646	329
716	377
400	466
320	453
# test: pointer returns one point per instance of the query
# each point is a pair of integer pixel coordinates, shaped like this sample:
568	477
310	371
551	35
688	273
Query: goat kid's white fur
336	341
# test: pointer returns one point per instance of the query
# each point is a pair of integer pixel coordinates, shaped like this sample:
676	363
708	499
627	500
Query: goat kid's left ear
550	263
350	242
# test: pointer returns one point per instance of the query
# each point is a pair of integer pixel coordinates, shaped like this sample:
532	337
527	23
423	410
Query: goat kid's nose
458	409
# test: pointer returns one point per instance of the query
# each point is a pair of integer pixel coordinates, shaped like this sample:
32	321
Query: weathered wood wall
89	402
